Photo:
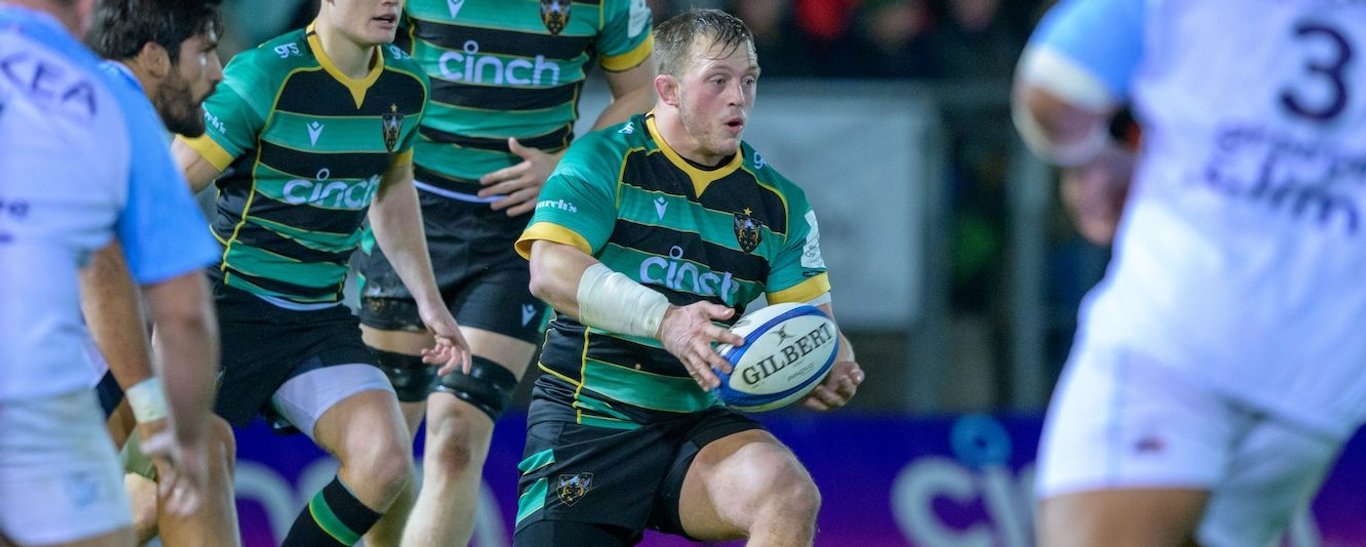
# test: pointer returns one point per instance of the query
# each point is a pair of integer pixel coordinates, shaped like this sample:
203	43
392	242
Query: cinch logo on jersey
1308	180
681	275
789	353
558	204
335	194
468	65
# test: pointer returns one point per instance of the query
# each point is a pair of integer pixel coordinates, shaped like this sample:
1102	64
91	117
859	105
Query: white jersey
81	161
1241	257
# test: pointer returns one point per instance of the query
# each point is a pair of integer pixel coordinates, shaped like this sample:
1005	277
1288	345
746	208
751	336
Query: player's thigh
1127	442
59	476
508	352
732	476
1276	470
340	402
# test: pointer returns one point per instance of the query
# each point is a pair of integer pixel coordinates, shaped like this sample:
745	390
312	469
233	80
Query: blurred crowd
937	39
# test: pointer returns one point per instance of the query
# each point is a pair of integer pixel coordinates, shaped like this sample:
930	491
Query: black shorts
482	279
629	478
264	345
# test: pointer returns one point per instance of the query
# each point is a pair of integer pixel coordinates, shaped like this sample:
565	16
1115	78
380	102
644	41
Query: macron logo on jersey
661	205
528	311
314	130
455	6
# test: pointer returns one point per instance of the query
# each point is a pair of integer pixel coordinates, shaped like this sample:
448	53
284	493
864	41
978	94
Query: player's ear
666	85
154	59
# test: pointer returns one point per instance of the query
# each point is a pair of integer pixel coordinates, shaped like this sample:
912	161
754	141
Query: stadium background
955	274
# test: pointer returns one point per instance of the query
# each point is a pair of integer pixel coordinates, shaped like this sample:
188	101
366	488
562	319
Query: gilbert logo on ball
788	350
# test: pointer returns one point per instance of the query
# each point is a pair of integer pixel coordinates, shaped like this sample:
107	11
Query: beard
179	110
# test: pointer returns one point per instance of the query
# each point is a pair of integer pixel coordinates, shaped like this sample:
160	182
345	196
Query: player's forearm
577	284
846	349
199	173
396	219
187	344
109	300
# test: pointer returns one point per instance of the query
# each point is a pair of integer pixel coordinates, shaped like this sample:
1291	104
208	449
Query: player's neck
352	59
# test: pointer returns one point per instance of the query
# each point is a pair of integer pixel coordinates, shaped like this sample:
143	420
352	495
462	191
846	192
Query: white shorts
304	398
60	478
1120	421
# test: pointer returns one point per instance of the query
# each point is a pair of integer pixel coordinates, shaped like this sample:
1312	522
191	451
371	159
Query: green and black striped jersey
304	148
725	235
510	68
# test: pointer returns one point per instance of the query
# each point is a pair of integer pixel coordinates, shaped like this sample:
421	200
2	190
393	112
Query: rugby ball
788	350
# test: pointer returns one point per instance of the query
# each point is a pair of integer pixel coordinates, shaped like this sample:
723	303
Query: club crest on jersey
393	123
555	14
747	231
573	487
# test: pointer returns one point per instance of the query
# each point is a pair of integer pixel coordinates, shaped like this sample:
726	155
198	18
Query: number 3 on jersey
1329	70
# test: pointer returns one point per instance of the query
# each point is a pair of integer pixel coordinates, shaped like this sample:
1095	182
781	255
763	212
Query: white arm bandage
147	400
1048	70
611	301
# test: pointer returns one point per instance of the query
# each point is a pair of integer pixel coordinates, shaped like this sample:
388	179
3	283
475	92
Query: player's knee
454	451
790	491
488	386
412	379
385	467
142	498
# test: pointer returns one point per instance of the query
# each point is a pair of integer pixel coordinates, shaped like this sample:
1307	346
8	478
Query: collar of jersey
357	87
701	178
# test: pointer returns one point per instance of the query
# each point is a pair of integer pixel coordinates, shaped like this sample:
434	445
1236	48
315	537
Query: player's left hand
520	184
838	387
451	349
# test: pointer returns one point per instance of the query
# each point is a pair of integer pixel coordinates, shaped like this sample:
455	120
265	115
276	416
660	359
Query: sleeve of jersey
231	118
576	207
1102	39
161	230
411	126
626	38
798	272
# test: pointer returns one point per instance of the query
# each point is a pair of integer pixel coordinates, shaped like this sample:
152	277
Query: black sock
333	517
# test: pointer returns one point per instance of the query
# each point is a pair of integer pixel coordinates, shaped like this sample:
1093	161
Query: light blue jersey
83	161
1250	193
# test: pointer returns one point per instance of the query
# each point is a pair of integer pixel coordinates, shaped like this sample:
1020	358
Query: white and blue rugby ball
789	348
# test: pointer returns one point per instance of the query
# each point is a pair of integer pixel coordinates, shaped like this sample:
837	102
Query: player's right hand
451	349
182	467
1094	193
688	333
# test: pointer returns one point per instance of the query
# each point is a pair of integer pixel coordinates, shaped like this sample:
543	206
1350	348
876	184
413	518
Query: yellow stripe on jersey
630	59
700	179
806	290
550	231
357	87
210	150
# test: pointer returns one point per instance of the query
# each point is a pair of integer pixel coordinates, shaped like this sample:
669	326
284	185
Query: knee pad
488	386
412	379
